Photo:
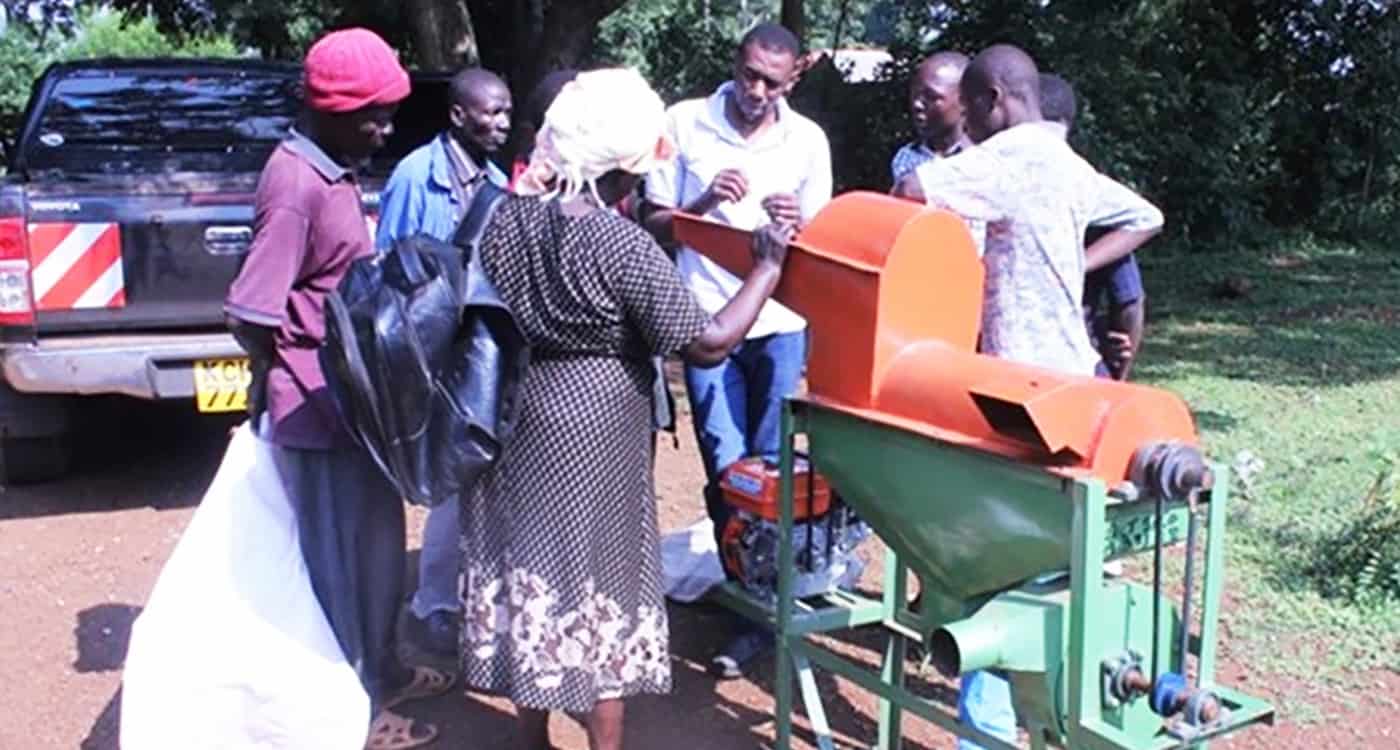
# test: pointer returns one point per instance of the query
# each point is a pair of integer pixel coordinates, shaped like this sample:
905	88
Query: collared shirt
915	153
429	191
792	156
308	227
1034	198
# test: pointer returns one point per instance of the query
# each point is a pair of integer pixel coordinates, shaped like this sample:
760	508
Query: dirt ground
79	558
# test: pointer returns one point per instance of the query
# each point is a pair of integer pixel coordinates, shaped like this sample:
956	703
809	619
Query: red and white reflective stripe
76	266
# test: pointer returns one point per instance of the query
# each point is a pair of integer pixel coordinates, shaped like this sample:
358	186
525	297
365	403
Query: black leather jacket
424	359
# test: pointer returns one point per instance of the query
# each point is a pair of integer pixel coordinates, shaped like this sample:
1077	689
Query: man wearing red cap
308	228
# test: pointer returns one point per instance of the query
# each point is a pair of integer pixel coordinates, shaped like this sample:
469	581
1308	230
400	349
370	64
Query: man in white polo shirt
745	158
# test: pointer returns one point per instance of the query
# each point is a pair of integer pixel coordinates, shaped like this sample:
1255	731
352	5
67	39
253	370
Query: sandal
390	731
426	683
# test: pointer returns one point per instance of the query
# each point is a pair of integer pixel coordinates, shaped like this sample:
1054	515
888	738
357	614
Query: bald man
1028	199
428	193
1026	196
936	111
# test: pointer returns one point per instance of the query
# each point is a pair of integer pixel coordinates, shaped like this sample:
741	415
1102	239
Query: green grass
1299	377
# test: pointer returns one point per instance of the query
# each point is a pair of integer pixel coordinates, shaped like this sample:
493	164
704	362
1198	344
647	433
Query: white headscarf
600	121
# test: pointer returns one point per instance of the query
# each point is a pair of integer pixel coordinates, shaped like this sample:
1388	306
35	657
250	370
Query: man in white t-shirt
745	158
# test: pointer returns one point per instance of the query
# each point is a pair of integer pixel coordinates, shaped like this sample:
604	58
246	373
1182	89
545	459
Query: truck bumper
155	366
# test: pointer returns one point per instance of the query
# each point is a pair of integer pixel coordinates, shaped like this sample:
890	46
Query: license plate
222	384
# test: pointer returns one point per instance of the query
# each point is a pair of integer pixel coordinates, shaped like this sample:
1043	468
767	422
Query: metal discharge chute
987	479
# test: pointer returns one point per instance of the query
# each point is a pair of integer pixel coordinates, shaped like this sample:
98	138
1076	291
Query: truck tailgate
151	261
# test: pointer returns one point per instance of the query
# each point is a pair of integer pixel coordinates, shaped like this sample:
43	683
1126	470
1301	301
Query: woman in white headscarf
561	574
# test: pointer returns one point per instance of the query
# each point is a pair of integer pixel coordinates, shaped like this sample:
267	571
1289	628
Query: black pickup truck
124	216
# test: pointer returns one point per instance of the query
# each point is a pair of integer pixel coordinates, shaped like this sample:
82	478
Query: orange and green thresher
1003	488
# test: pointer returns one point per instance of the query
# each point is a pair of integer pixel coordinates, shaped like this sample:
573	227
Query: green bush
680	48
109	34
1361	561
21	61
686	51
1242	120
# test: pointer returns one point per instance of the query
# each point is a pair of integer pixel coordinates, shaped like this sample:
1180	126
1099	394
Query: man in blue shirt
1114	300
428	193
936	111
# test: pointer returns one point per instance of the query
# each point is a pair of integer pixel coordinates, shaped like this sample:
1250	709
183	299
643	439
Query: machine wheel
34	459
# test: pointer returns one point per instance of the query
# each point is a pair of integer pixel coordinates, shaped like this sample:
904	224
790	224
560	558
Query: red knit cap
353	68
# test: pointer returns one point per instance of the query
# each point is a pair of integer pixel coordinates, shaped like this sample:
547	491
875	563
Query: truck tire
34	459
34	439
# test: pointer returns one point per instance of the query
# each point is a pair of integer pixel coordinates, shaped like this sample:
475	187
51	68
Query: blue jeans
984	702
737	407
439	562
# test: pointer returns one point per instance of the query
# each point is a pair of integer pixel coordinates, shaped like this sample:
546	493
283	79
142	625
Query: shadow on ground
129	454
106	729
698	713
1305	317
102	634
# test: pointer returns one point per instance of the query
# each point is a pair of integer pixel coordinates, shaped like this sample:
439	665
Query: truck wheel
34	459
34	436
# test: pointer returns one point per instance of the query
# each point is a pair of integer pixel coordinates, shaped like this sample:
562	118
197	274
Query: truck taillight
16	301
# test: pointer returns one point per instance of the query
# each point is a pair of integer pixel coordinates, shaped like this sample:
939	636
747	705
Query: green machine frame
1058	682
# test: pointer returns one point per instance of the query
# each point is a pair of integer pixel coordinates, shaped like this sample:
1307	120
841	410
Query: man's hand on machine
770	245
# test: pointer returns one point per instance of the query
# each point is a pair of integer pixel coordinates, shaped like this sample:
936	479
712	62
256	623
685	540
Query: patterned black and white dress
561	571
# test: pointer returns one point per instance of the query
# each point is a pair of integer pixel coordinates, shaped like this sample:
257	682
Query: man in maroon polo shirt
309	227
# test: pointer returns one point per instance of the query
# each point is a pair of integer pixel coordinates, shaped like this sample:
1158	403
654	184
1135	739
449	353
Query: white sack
690	564
233	650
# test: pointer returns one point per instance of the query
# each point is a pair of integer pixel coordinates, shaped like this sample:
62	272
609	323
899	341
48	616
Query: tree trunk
443	37
566	37
523	40
794	19
494	21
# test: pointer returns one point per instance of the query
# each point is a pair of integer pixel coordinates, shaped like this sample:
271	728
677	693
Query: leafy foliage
20	65
1361	562
106	34
277	29
684	48
39	16
1239	118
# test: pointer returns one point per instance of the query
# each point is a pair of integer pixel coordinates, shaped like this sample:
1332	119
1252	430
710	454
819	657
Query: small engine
825	531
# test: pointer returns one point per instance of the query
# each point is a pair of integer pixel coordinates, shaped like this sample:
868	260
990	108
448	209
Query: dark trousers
351	524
